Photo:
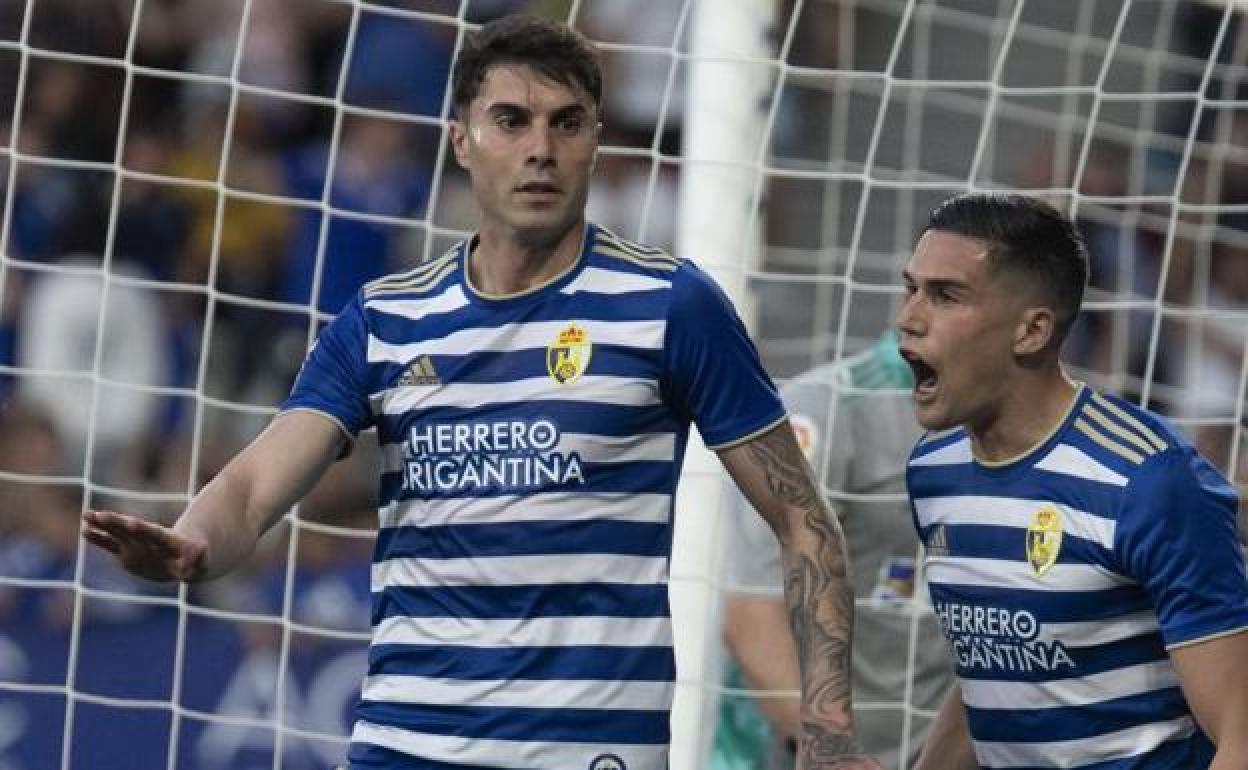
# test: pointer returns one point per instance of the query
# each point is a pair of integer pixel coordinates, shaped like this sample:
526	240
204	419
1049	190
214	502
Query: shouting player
532	391
1082	558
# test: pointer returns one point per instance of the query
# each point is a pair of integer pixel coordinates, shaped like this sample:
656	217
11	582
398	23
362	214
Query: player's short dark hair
1028	237
548	47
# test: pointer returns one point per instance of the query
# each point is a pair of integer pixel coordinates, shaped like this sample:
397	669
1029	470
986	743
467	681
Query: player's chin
931	416
542	222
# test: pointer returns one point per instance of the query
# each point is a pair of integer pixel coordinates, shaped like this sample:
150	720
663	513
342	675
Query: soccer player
1082	558
532	391
854	420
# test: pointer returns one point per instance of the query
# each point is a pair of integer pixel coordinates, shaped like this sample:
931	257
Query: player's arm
948	745
1179	539
222	524
756	630
773	474
1214	678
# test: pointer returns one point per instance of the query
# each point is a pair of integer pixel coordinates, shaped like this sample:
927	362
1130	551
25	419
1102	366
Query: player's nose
541	149
909	319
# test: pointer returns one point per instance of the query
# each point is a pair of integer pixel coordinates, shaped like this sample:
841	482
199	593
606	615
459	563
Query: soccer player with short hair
532	391
1082	557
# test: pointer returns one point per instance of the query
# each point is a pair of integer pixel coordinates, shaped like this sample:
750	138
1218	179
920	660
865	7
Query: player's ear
457	129
1034	330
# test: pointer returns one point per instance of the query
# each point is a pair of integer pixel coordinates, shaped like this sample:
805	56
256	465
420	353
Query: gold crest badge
567	357
1044	539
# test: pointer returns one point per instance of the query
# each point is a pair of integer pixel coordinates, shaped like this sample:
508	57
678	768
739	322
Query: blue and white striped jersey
531	446
1062	578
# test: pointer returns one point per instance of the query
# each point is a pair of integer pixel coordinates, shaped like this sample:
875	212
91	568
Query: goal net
191	188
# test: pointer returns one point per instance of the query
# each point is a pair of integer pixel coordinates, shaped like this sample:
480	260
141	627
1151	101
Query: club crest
567	357
1044	539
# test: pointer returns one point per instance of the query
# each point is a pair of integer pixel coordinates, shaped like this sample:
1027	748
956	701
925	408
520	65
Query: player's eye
508	121
570	124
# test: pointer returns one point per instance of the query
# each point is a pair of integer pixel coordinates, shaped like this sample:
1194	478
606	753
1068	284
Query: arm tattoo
788	474
821	610
820	601
826	750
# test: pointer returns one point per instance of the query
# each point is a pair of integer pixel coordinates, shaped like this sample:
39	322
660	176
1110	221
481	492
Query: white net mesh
191	187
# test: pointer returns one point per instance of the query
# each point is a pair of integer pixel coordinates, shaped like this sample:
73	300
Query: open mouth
926	377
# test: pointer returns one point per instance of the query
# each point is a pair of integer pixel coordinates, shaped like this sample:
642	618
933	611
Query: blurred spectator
9	297
273	51
1213	376
805	118
97	28
153	225
38	542
52	118
236	244
38	521
388	49
46	196
1209	275
638	95
374	173
68	314
252	234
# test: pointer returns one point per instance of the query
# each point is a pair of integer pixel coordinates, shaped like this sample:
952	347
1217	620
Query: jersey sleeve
333	380
712	372
1178	537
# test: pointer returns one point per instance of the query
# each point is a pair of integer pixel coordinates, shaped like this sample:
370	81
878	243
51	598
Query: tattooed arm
773	474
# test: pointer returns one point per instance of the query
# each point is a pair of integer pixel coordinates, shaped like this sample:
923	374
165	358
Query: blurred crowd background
189	191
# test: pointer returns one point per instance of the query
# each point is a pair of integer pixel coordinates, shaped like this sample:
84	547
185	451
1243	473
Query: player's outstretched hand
144	548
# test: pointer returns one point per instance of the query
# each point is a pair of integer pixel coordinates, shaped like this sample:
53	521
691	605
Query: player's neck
1030	412
504	263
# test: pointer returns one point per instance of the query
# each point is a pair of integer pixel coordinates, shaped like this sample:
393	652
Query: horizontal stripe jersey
1062	578
531	449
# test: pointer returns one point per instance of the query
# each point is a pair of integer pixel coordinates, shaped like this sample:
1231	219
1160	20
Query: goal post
730	74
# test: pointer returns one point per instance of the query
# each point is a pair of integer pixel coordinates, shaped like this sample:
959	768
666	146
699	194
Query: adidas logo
420	372
938	543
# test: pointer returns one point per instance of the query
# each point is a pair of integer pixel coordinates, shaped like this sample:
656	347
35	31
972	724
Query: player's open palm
144	548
